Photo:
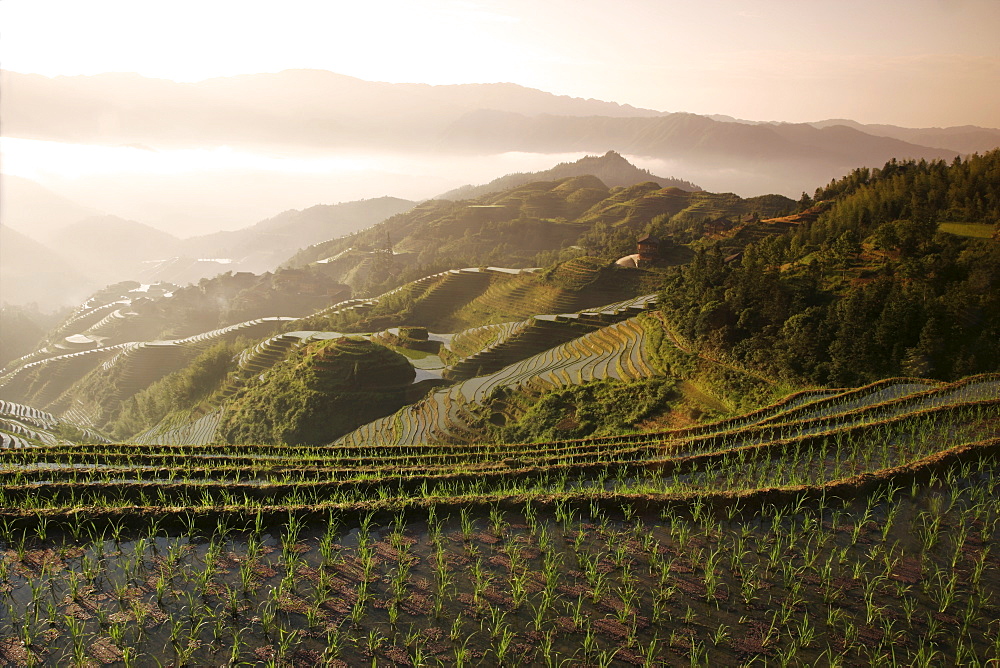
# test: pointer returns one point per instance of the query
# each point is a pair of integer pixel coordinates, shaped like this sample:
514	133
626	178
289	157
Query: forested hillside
877	286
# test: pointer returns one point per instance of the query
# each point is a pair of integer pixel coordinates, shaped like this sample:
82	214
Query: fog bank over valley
189	192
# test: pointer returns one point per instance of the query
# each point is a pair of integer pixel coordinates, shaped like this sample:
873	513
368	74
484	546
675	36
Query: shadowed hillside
33	273
322	391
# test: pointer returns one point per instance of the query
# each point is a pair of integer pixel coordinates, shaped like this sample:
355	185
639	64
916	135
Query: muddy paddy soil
905	575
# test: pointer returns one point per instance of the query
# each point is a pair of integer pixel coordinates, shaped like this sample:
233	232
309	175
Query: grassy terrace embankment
827	439
853	528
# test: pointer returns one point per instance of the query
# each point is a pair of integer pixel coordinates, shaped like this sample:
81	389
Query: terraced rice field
886	432
615	351
489	348
45	381
22	426
60	372
200	431
844	528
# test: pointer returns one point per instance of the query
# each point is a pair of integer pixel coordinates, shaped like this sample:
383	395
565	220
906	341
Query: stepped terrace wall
616	351
512	342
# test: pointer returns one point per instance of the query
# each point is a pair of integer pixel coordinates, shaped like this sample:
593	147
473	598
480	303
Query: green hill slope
320	392
521	226
788	455
844	293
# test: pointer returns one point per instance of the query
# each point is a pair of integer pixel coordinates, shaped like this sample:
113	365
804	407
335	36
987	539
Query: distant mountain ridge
264	245
34	210
611	168
63	265
301	107
330	110
314	111
963	138
680	135
30	272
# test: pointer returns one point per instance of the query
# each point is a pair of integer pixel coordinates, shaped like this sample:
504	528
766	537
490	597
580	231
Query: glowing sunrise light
775	60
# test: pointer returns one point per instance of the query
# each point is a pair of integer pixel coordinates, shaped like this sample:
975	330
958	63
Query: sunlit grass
974	230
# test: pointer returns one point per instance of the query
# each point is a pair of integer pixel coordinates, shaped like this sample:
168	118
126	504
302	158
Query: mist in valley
191	192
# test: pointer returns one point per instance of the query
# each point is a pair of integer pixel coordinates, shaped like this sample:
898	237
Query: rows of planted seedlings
815	461
882	392
727	472
443	412
594	449
583	450
902	576
427	458
175	497
204	483
760	415
967	390
884	398
858	422
861	419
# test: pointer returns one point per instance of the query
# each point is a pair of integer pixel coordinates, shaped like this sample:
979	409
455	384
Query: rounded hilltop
355	363
324	390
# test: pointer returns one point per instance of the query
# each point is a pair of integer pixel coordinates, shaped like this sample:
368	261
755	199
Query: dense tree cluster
965	190
870	290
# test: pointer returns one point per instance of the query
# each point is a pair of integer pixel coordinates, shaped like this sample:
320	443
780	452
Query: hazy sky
905	62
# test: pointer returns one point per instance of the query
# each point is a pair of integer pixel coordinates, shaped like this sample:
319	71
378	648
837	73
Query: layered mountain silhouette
304	107
316	111
264	245
761	156
60	266
34	210
963	138
100	250
30	273
112	248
